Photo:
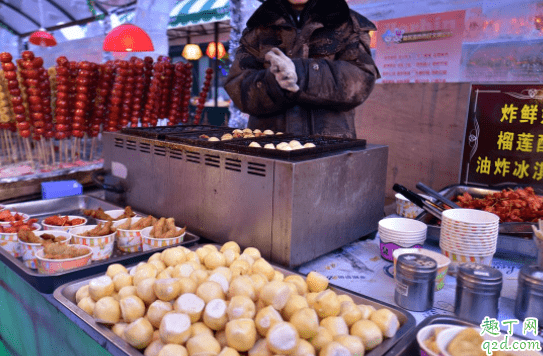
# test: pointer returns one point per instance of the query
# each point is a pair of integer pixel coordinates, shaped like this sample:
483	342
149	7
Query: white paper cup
102	246
64	228
28	250
149	243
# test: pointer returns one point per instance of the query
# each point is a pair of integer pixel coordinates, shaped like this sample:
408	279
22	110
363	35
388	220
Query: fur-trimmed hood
329	13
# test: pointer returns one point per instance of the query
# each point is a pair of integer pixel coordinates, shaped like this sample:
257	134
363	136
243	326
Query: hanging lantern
128	38
42	38
192	52
211	50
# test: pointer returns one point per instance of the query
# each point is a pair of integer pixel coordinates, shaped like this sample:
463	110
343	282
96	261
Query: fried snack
97	214
431	342
144	222
128	213
466	343
45	239
165	229
58	220
58	251
8	216
100	230
19	226
519	205
125	225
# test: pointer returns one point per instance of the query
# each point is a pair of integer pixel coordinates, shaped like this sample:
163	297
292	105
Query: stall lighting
192	52
211	50
42	38
128	38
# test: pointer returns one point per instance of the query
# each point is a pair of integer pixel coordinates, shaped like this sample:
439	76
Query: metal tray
194	139
323	144
46	283
159	132
512	243
65	295
409	346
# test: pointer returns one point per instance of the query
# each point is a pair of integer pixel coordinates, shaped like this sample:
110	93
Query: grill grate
159	132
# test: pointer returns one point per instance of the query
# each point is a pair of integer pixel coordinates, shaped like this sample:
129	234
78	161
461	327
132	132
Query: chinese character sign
420	49
504	135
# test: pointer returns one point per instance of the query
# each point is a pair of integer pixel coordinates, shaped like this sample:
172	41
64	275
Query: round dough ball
241	307
253	252
82	293
351	343
228	351
335	325
316	282
215	316
276	294
269	146
144	272
281	145
145	290
299	282
187	285
286	147
199	276
173	256
240	267
118	329
327	304
167	289
350	312
173	349
126	291
255	144
213	139
219	278
259	280
160	266
279	276
154	348
268	132
214	259
241	334
231	245
156	312
344	298
230	256
294	143
166	273
366	310
242	285
221	338
190	304
309	145
369	333
87	304
305	349
387	321
121	280
226	137
306	321
157	256
115	268
225	271
203	344
283	338
321	339
175	328
139	333
295	303
334	349
183	270
200	328
209	290
100	287
132	308
260	349
266	318
107	311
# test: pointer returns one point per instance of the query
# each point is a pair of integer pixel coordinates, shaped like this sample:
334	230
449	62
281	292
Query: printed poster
420	49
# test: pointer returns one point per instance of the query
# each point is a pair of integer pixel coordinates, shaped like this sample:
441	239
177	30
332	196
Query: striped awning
194	12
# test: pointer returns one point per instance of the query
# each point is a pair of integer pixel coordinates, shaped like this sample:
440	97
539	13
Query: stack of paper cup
469	235
400	233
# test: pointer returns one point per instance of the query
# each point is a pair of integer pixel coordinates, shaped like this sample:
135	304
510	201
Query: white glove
284	69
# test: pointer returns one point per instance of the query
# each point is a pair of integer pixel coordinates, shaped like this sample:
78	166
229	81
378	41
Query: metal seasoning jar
415	281
529	301
478	289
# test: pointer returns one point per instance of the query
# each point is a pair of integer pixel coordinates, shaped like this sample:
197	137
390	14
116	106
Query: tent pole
216	64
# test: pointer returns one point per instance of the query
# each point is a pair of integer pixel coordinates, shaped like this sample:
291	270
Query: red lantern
128	38
211	50
42	38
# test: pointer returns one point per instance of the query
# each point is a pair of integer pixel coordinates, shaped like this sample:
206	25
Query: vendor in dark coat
303	66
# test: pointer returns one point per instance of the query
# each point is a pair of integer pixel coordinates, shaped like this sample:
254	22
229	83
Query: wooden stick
66	150
85	145
5	146
52	144
29	149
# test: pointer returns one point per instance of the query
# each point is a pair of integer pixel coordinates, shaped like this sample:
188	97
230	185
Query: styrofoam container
425	333
446	336
443	262
28	250
64	228
149	243
102	246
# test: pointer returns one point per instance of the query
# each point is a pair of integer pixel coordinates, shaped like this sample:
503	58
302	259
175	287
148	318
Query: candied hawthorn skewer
203	96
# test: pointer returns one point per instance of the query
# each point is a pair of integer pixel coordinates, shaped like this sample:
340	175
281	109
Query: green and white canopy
194	12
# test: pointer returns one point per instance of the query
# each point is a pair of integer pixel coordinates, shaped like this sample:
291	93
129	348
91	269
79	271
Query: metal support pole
216	63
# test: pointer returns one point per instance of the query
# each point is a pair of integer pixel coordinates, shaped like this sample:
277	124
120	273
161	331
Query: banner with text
420	49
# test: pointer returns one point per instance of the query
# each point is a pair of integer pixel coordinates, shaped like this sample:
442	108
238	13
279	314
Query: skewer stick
51	144
92	148
60	151
66	150
85	145
4	150
13	147
29	149
5	146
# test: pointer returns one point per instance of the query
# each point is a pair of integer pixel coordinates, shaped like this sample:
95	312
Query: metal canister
529	301
478	289
415	281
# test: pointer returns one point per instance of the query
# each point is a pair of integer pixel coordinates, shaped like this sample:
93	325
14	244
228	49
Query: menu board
503	143
420	49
